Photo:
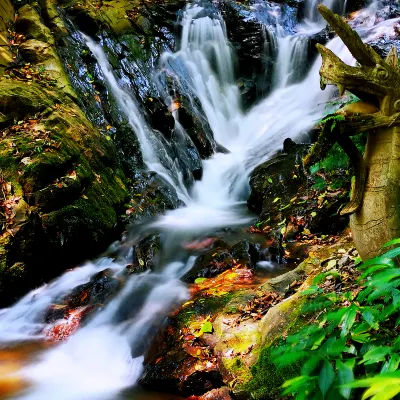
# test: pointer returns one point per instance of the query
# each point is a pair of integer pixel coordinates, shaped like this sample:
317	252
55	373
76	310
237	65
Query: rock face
134	35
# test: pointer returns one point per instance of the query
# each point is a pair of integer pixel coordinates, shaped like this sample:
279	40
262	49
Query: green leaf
370	318
333	346
381	387
294	384
207	327
346	375
391	243
313	214
348	320
361	328
382	260
389	379
310	365
361	338
376	354
318	341
290	358
373	269
269	180
396	344
200	280
391	365
326	377
276	199
311	290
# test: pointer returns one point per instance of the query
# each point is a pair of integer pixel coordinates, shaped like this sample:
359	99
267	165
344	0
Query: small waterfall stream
106	355
146	137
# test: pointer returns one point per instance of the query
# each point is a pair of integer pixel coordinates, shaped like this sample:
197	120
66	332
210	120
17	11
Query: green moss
266	379
238	370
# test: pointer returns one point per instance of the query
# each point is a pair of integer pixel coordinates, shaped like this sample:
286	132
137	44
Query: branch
354	125
363	53
360	171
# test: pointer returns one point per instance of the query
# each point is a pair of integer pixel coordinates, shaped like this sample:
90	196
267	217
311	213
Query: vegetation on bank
352	342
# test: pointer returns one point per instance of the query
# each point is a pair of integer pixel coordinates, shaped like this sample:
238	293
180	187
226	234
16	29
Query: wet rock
356	5
69	313
286	168
160	117
150	195
244	323
221	149
198	130
383	46
216	260
204	378
246	253
248	39
145	254
98	290
68	176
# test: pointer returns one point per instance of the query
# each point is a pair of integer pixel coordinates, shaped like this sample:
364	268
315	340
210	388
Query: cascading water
105	356
148	141
312	15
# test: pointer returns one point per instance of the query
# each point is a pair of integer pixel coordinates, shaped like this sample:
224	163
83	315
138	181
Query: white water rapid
105	356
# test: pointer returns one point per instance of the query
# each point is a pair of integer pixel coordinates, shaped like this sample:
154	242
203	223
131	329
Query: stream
104	359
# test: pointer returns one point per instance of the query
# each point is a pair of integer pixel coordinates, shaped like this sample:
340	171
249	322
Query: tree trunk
378	219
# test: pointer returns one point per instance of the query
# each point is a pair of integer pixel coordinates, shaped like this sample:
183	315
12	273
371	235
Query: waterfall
207	56
148	141
105	356
311	12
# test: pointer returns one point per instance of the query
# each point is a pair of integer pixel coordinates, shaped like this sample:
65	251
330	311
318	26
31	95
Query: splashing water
106	355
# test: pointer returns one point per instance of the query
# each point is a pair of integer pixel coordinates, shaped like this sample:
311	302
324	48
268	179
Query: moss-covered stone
30	24
64	183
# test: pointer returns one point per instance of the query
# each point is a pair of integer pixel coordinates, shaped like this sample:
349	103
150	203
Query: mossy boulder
30	24
63	187
121	16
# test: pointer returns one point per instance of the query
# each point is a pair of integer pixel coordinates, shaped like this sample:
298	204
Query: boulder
211	263
29	23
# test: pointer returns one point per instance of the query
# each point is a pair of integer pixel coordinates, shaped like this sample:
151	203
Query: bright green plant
353	342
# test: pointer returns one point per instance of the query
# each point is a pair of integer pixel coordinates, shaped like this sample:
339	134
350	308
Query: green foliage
353	343
337	158
335	166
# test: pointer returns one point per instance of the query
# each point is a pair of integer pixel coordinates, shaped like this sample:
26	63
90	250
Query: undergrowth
352	349
336	164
